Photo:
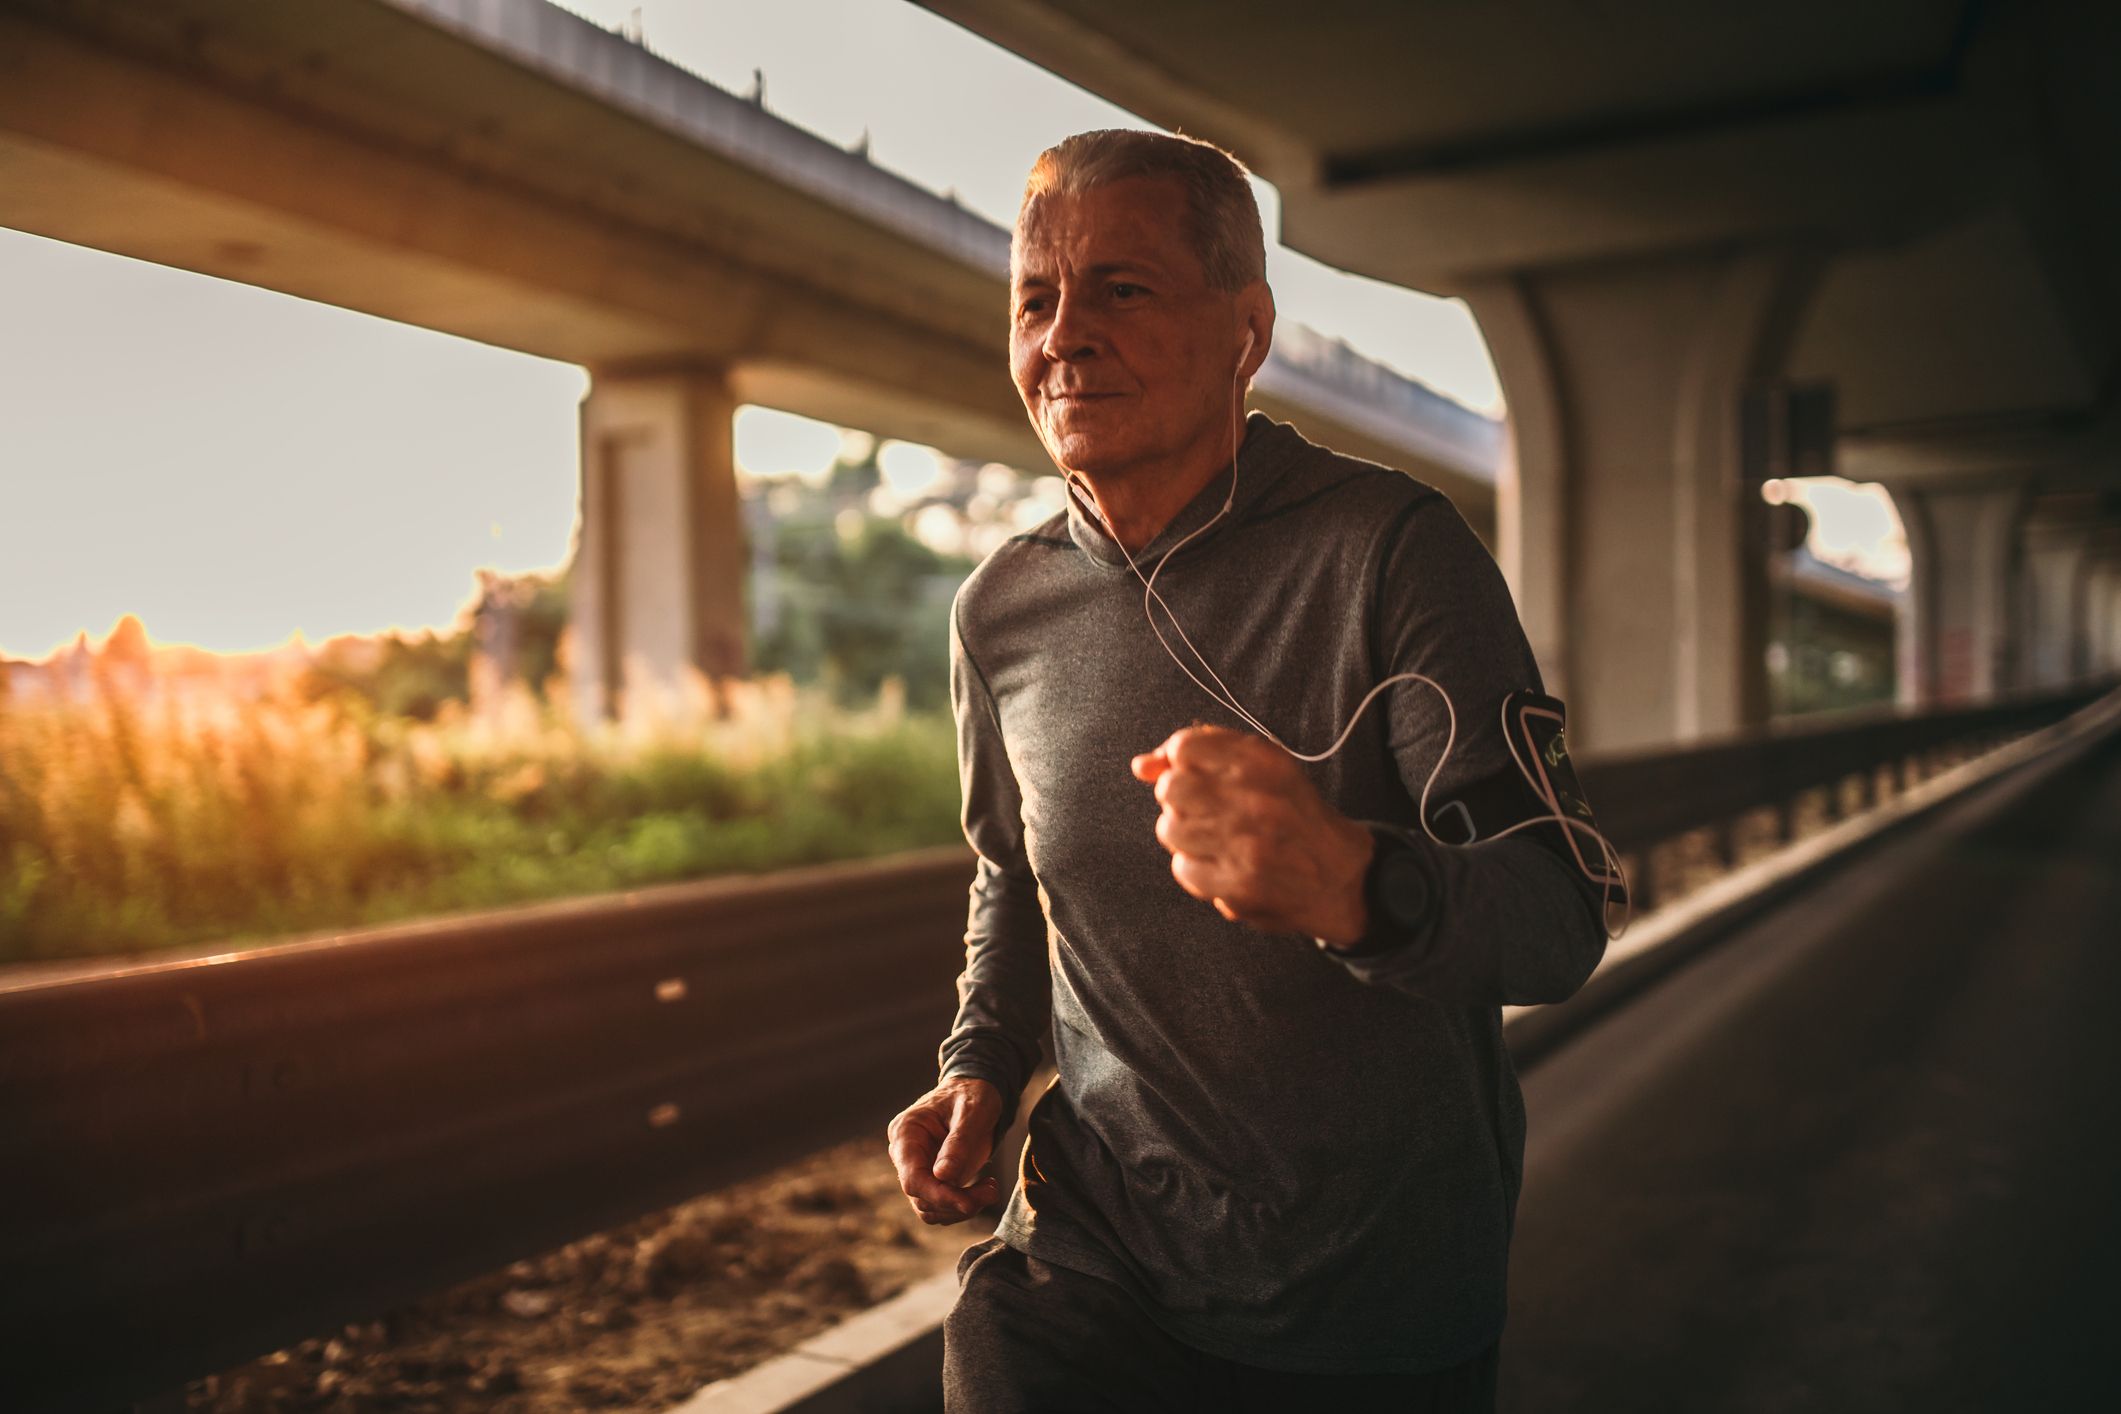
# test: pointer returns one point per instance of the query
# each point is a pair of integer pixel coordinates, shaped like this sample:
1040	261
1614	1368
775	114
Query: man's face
1123	353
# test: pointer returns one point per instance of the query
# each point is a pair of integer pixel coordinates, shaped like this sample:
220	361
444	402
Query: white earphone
1228	699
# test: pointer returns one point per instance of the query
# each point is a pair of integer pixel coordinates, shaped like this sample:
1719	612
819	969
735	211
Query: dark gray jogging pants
1027	1337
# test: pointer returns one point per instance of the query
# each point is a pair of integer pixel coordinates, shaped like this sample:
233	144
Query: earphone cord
1612	868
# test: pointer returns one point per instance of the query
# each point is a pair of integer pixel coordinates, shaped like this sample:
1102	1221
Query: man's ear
1256	303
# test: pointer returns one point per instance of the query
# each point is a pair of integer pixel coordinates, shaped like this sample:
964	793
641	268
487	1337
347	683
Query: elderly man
1279	1164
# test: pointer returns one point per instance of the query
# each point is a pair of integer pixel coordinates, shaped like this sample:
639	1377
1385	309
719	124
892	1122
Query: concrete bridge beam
1629	534
658	582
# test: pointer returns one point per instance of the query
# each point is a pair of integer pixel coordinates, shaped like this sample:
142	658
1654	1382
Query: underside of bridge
1662	210
505	171
544	187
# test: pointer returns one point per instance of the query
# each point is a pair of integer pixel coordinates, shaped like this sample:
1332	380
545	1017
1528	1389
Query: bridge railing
1646	798
204	1159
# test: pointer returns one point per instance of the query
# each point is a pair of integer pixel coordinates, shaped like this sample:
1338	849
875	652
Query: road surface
1864	1155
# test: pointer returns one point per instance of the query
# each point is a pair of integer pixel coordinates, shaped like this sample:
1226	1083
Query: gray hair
1219	203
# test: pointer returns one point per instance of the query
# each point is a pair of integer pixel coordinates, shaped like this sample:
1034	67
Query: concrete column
1955	641
658	583
1624	527
2111	635
2052	606
2102	602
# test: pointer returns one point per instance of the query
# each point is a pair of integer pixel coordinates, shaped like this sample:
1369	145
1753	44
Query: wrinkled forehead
1136	221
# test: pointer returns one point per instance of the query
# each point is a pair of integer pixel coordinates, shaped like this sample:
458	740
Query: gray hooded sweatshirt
1294	1159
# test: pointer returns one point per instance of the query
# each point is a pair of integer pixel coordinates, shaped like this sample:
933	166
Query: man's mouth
1070	395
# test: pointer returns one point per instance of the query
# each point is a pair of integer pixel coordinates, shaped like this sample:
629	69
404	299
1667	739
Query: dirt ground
636	1318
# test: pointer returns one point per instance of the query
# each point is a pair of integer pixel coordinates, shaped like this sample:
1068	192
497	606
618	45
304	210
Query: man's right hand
939	1144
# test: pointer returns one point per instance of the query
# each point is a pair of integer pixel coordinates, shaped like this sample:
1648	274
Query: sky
1854	526
237	466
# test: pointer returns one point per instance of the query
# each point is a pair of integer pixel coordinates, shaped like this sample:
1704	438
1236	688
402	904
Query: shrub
129	823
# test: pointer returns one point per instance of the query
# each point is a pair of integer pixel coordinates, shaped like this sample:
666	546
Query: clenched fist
939	1144
1249	833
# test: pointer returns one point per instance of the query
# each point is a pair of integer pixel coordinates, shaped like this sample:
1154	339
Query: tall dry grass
128	825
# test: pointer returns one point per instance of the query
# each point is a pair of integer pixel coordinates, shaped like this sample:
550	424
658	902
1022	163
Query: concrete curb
885	1360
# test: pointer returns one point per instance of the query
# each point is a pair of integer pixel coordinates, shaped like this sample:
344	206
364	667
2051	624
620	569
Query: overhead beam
1851	96
111	152
1877	174
2070	450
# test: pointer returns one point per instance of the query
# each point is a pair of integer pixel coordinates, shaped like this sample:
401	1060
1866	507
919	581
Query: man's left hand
1249	832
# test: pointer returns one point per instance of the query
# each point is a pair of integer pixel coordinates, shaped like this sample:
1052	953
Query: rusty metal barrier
202	1160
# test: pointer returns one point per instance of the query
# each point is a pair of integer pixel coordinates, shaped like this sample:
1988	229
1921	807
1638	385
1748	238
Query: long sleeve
1515	920
1004	995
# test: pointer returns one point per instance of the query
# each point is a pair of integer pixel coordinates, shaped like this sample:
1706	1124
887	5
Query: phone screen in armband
1538	728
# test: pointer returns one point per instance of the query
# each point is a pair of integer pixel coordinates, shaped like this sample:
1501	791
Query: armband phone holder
1537	728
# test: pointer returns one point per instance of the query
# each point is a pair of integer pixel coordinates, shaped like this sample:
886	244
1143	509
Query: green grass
127	828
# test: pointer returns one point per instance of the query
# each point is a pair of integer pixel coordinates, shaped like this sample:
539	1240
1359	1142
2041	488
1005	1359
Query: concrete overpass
1665	213
506	171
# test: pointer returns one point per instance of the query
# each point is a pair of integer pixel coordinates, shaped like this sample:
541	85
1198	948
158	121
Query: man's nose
1073	334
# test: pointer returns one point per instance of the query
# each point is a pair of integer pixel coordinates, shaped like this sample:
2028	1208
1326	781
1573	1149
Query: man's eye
1035	305
1124	291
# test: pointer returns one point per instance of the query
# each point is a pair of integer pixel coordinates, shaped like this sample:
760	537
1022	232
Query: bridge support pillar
2102	602
2054	605
658	583
1955	639
1631	540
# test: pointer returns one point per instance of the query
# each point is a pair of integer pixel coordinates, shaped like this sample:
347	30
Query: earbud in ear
1248	347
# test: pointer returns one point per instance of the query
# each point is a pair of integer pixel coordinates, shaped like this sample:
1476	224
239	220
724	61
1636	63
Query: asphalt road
1863	1155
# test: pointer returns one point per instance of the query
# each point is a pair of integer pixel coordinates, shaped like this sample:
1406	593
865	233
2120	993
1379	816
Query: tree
860	607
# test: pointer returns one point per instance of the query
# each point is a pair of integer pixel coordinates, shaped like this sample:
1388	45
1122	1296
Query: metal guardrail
202	1160
1645	798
